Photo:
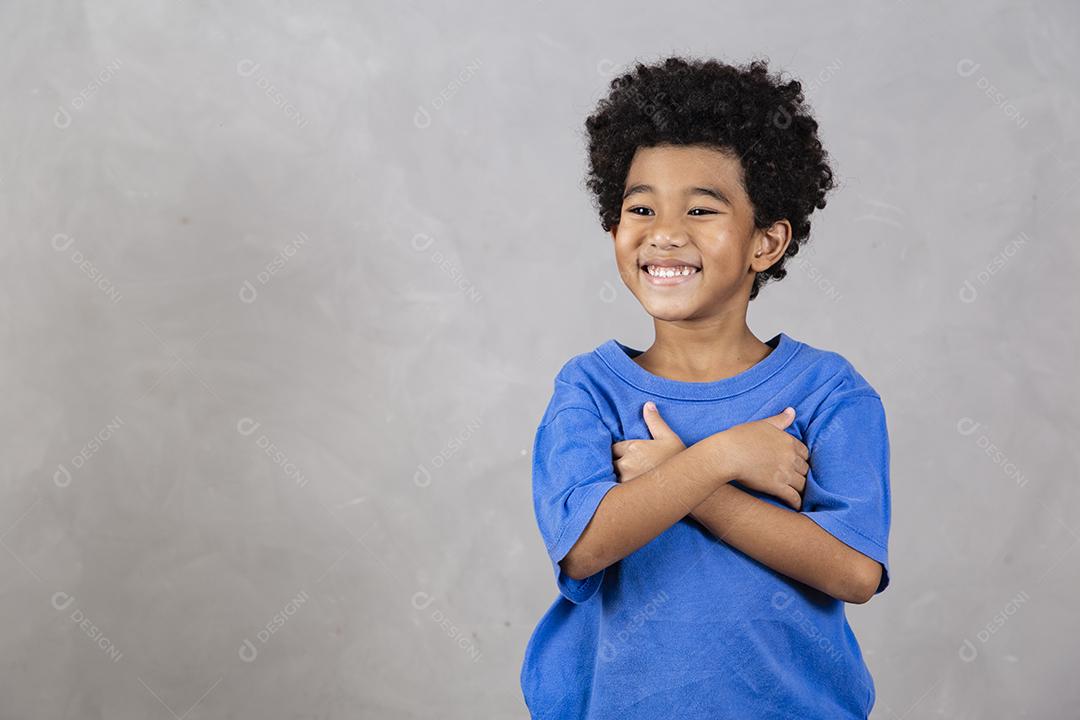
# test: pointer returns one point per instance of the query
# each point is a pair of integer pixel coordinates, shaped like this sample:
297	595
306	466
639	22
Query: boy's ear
774	243
614	230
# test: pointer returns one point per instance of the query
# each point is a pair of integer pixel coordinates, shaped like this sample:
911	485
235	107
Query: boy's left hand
636	457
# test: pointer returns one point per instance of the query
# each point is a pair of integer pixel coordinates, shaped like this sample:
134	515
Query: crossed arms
694	480
790	543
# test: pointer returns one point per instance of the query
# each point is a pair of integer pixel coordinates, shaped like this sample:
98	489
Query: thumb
657	427
782	419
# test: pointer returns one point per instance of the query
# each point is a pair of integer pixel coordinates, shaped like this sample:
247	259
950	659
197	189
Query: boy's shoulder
834	373
577	382
581	366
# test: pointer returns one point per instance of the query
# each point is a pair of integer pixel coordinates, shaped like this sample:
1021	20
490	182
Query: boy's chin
670	312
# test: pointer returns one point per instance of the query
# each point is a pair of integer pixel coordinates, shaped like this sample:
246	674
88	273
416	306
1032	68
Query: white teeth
657	271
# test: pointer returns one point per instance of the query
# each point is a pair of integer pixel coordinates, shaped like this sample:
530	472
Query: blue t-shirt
688	626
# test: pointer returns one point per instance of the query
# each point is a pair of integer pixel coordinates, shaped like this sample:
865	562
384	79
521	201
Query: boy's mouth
661	275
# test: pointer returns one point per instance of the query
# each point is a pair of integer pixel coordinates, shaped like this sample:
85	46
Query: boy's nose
664	237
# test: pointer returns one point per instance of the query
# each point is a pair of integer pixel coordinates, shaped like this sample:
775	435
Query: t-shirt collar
618	358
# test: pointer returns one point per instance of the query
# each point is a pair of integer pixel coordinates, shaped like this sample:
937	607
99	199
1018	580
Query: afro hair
738	109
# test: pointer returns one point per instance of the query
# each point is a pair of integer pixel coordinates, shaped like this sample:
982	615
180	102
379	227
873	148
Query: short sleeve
847	486
572	470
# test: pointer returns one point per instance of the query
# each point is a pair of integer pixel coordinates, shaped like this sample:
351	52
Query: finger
789	495
800	447
801	466
657	427
798	483
621	448
783	419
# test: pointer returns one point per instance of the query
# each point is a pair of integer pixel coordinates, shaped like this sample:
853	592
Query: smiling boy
710	504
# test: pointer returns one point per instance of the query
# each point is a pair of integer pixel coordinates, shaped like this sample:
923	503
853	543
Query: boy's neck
702	354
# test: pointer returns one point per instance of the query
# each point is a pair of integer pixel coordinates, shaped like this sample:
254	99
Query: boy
711	503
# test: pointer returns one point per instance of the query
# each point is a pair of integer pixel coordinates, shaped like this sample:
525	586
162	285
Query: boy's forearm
632	514
790	543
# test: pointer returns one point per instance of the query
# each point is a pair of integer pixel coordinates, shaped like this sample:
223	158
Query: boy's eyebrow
710	191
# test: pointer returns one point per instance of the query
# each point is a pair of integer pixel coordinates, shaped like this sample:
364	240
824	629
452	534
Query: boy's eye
694	211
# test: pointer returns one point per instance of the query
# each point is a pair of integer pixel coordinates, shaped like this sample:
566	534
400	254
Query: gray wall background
282	307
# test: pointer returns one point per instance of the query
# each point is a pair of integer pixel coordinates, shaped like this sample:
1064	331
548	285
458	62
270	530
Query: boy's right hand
764	457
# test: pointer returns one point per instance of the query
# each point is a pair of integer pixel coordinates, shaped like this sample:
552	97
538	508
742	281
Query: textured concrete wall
284	287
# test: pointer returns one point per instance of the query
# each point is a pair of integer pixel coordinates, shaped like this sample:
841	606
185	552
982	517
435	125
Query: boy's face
687	203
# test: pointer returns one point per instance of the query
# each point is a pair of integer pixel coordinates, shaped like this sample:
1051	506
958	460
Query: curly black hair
740	109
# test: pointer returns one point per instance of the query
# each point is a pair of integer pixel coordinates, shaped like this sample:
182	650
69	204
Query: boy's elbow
865	580
581	562
574	566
